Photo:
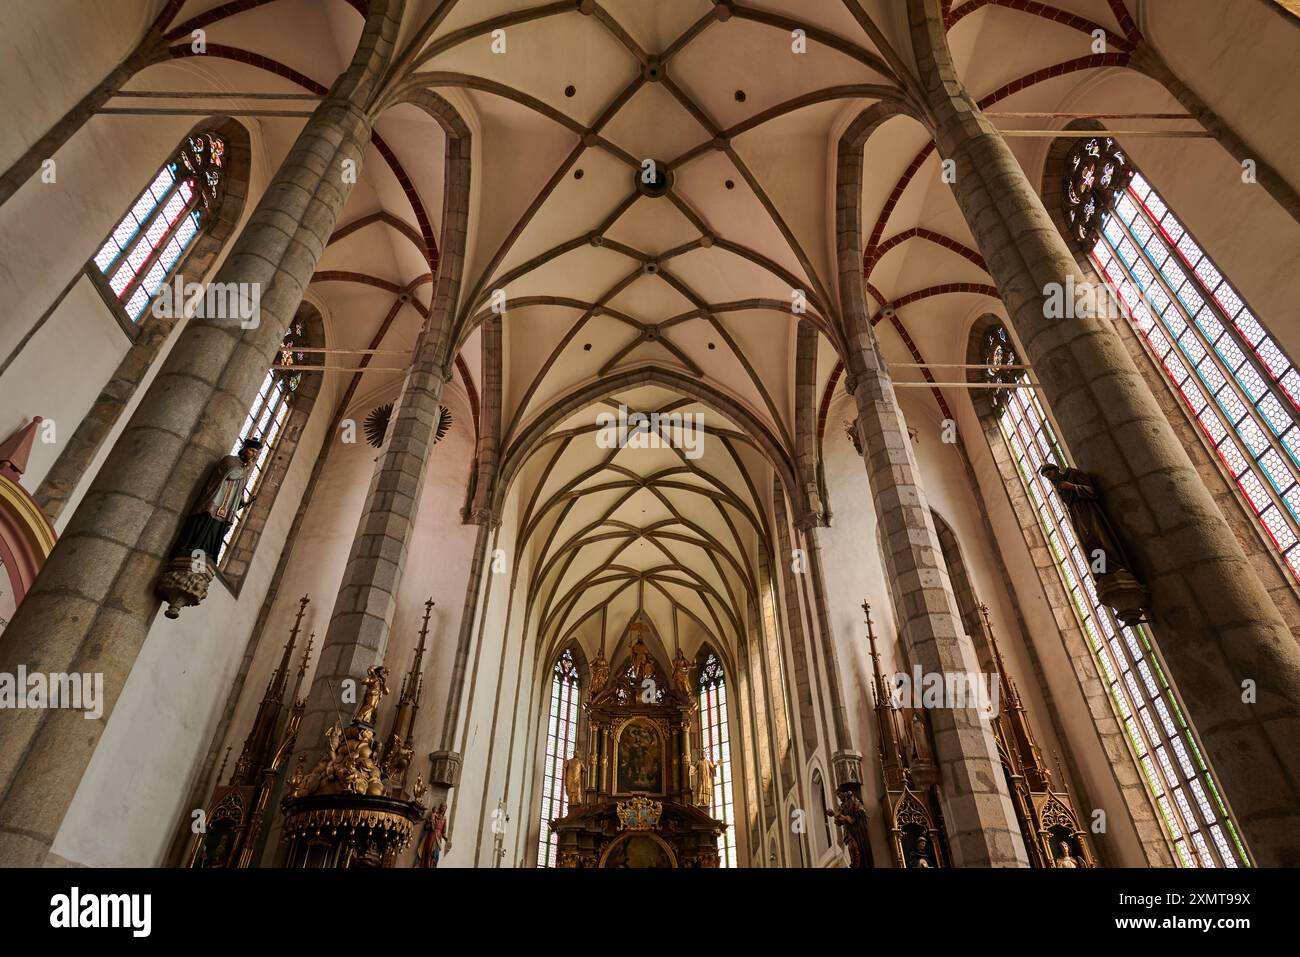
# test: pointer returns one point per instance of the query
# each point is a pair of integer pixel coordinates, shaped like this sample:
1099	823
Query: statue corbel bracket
184	583
846	767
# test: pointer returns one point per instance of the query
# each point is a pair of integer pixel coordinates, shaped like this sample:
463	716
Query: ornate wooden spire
262	739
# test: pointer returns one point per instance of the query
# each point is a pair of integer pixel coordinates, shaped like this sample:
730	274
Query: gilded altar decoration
681	673
375	683
638	814
236	819
638	804
574	768
353	808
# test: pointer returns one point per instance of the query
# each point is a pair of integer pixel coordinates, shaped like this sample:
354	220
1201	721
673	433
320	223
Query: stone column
802	692
1216	625
93	604
981	819
840	738
486	456
367	598
982	823
807	448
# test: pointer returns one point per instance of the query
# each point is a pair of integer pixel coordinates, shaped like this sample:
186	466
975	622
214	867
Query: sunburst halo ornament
376	423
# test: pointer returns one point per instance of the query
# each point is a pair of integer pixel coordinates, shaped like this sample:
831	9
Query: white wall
130	799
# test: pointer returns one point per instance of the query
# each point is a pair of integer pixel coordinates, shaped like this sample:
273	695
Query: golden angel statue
375	683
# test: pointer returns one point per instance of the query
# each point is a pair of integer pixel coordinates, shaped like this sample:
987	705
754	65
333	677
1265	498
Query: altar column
93	604
1217	626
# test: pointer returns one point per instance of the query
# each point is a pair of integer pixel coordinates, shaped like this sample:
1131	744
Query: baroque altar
639	797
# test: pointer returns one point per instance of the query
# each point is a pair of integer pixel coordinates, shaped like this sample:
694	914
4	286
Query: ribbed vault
684	295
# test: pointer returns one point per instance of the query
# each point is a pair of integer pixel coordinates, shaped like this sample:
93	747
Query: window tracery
142	252
266	418
1237	381
561	739
1170	761
716	744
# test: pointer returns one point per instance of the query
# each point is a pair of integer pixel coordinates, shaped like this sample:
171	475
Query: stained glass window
1237	381
1169	759
266	418
1096	171
142	252
1000	354
561	737
716	744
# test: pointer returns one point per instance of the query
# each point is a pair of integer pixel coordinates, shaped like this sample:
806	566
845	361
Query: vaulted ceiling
678	301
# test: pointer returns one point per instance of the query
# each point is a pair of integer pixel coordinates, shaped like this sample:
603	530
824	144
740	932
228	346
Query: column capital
483	515
810	519
444	769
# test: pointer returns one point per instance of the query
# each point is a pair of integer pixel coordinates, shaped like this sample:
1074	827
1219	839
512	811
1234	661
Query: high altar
639	797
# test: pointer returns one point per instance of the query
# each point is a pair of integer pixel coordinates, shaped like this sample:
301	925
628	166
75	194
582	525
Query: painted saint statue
218	504
851	816
432	843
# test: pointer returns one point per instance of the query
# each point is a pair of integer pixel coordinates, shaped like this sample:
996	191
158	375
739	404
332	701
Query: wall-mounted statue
851	816
1112	571
192	566
432	841
1067	858
921	855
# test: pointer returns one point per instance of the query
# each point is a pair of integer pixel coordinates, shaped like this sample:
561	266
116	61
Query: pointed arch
715	744
560	723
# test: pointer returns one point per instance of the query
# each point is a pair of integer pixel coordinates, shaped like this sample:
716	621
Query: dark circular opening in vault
653	178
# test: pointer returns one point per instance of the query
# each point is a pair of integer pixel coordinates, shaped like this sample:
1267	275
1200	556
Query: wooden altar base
590	836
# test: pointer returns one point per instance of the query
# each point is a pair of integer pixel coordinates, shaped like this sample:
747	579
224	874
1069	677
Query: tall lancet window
1237	381
140	254
1171	764
561	738
716	744
266	419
